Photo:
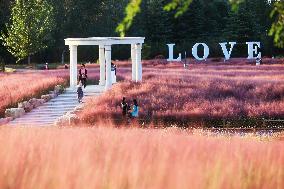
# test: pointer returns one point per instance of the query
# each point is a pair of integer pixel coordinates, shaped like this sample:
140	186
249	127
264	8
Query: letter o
206	51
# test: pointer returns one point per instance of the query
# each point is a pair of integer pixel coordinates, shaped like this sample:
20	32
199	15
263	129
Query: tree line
33	30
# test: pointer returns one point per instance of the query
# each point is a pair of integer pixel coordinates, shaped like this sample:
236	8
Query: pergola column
102	61
138	48
108	66
133	60
73	65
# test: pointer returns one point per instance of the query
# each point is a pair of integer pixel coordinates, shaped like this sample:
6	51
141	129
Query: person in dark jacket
83	75
80	92
124	106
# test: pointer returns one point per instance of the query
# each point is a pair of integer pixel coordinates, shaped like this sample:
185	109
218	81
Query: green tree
30	29
132	9
155	16
181	7
277	28
4	18
84	18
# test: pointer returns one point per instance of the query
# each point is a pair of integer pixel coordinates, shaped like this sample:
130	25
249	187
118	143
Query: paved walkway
47	114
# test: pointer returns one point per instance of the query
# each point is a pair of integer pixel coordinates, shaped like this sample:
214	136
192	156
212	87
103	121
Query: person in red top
83	75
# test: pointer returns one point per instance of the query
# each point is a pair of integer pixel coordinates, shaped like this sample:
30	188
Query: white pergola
105	44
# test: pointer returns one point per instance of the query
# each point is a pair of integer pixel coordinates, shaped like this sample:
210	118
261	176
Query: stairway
47	114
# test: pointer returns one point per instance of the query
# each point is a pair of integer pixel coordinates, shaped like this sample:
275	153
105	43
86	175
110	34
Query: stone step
60	103
28	119
52	109
73	95
43	114
65	99
49	116
34	121
84	91
58	106
51	121
47	111
46	116
37	118
71	101
93	90
32	124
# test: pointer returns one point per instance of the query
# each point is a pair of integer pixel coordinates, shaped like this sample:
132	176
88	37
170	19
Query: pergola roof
104	41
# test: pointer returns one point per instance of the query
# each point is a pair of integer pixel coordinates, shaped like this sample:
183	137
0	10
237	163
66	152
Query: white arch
105	44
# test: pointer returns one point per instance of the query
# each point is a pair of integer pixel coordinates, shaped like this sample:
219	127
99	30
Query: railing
242	124
262	124
276	121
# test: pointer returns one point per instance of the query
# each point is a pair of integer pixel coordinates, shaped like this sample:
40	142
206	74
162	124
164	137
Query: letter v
225	51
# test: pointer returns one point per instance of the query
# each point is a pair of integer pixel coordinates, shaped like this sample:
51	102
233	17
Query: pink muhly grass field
204	91
105	157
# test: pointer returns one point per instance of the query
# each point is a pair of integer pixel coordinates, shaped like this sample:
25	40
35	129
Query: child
80	92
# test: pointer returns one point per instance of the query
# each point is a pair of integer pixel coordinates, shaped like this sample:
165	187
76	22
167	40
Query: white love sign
253	51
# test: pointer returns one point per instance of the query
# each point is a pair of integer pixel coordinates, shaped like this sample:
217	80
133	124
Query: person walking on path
83	75
80	92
